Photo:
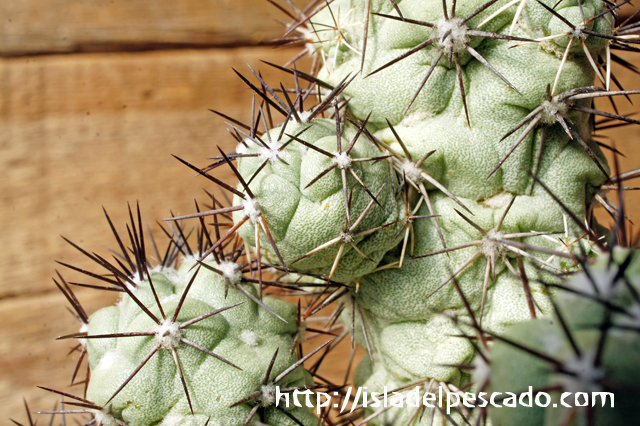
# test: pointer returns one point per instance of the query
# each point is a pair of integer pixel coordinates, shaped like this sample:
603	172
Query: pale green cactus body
302	218
245	335
464	157
529	68
407	300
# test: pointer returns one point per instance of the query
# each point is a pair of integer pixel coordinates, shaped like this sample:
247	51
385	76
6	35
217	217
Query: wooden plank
625	139
46	26
49	26
81	131
29	355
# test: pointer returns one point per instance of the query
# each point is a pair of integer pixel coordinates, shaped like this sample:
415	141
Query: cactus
216	383
439	190
187	345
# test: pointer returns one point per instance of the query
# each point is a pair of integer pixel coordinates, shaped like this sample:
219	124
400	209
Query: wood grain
29	27
80	131
48	26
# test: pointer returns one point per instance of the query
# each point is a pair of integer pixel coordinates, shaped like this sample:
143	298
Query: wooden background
94	97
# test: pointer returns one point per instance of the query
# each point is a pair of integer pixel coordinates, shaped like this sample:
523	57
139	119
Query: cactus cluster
436	195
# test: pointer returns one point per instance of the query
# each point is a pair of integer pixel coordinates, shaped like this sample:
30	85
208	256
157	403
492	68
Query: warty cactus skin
451	142
246	336
302	217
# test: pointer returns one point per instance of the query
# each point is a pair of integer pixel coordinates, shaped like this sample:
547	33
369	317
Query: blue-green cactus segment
585	357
